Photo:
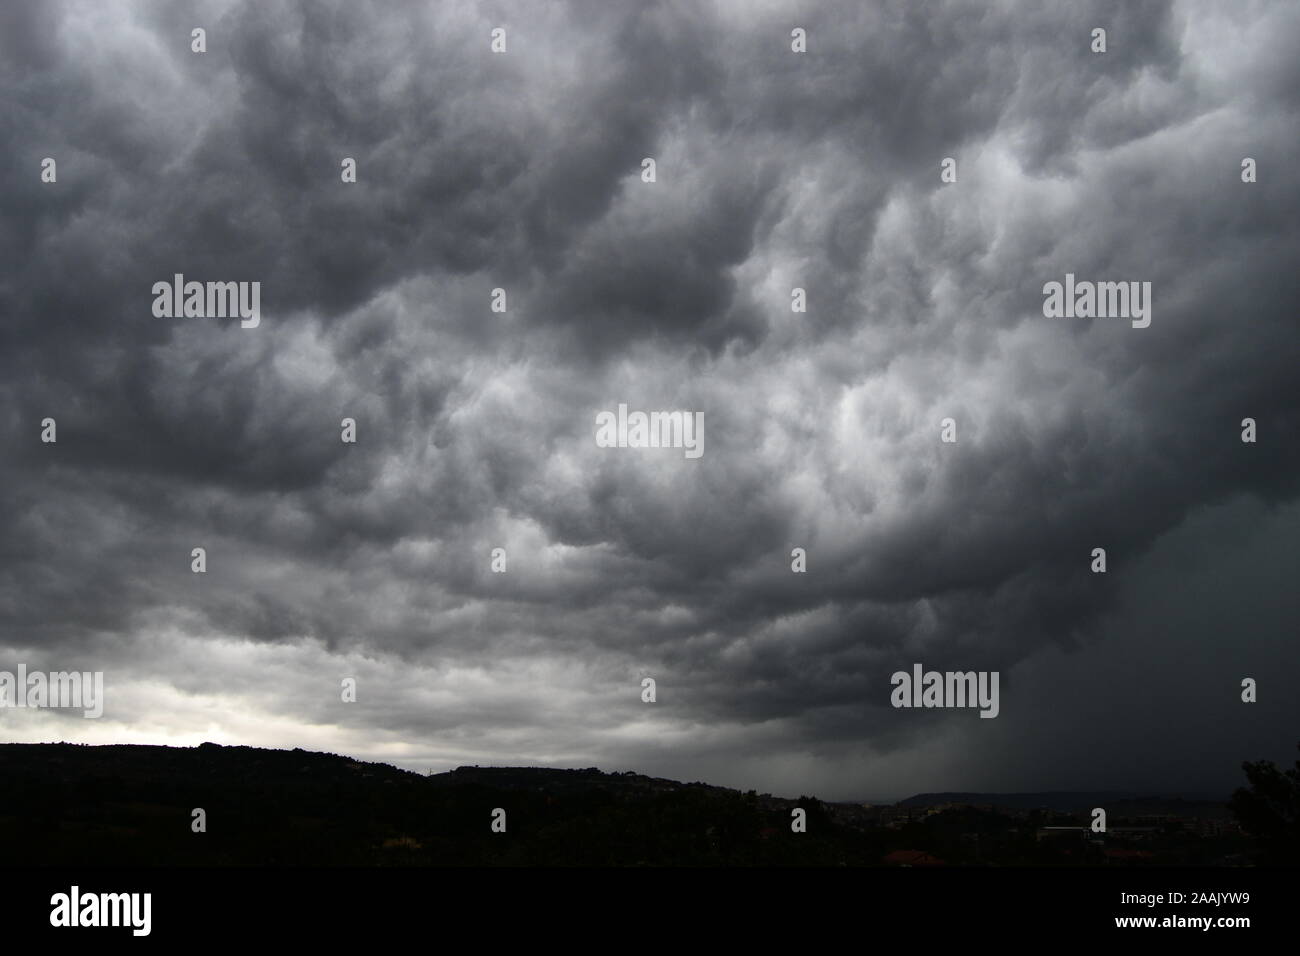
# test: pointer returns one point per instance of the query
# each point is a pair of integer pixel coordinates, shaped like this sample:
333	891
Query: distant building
1061	833
912	858
1128	856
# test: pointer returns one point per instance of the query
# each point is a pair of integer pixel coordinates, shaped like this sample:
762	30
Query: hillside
70	804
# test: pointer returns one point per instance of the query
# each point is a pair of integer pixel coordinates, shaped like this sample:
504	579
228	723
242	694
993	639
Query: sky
476	429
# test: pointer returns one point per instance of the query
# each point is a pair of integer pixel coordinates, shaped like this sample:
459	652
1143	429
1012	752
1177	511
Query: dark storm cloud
475	428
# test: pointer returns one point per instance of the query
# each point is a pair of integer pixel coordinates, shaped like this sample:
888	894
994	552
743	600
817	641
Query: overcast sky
475	429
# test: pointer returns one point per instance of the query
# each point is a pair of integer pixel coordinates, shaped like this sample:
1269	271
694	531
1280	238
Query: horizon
1125	794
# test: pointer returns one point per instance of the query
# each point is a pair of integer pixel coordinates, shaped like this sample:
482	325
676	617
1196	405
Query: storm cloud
521	171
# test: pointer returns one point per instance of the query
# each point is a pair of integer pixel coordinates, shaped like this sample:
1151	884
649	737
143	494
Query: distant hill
132	805
69	804
1066	801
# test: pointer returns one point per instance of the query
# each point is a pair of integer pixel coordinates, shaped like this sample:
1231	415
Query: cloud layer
775	170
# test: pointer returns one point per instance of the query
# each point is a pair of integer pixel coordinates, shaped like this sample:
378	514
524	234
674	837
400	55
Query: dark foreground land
66	804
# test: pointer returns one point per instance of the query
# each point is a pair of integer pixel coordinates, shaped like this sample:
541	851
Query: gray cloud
821	429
